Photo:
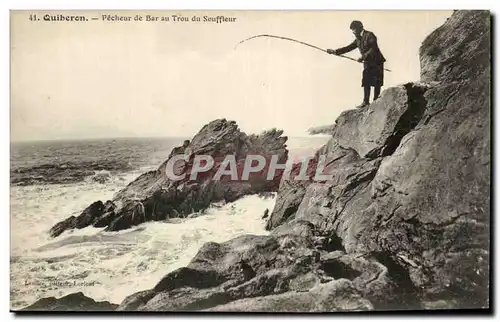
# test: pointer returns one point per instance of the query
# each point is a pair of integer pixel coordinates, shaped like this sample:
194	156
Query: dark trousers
373	75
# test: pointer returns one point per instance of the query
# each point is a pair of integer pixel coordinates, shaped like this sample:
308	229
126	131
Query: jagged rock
89	214
108	215
131	214
134	301
71	302
109	206
376	130
285	262
336	205
154	196
301	228
179	149
437	208
291	192
459	50
289	196
223	272
62	226
87	217
435	189
104	220
102	176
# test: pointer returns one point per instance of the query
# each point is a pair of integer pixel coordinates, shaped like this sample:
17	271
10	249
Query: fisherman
371	57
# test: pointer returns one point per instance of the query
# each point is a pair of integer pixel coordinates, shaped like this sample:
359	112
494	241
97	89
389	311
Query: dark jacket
368	48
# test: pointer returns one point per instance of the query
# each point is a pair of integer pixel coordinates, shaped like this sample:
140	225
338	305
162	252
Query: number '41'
32	17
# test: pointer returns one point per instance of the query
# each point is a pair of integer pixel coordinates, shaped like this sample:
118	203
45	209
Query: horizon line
135	137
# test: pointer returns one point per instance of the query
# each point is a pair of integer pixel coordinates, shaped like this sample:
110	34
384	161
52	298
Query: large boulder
376	130
154	196
290	196
289	262
336	295
459	50
86	218
357	137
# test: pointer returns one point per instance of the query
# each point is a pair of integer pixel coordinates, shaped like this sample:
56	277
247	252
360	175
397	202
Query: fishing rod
297	41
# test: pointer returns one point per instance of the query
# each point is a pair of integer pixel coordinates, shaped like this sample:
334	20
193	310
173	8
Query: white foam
111	265
118	263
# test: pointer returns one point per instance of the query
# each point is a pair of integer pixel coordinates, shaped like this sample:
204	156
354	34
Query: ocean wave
67	172
52	184
116	264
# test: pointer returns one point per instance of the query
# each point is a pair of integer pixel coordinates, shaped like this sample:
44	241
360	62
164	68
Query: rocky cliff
412	173
405	222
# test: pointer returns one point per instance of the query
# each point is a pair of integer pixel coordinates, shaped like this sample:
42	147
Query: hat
356	24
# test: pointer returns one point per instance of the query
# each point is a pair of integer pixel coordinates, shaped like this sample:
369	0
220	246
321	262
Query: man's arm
343	50
346	49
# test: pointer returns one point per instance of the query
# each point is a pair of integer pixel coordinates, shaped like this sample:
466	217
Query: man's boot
376	92
363	105
366	98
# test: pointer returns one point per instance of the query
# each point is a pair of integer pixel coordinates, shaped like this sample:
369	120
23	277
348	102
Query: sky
103	79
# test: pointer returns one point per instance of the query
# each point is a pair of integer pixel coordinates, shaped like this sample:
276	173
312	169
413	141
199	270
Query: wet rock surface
71	302
285	262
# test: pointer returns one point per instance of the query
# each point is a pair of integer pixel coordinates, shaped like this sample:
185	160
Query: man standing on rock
371	57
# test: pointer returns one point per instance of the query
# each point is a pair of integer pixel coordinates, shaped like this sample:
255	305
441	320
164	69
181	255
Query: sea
52	180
